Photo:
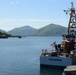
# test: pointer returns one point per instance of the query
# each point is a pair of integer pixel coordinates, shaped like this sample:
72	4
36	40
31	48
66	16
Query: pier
15	36
70	70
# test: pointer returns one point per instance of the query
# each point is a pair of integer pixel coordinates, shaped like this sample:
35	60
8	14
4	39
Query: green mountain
2	31
22	31
52	30
49	30
4	34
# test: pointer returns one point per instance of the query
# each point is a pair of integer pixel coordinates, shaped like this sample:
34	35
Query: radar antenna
72	20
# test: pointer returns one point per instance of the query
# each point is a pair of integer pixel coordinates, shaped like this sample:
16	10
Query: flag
53	45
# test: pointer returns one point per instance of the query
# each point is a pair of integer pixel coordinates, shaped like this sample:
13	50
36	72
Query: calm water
21	56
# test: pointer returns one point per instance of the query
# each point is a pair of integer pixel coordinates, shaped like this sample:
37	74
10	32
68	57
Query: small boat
65	52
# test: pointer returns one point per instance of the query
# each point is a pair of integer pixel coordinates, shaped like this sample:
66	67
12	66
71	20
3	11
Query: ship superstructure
65	53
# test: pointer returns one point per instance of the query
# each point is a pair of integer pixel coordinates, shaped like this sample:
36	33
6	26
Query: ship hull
54	61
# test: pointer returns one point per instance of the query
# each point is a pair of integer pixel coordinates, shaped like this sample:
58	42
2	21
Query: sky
35	13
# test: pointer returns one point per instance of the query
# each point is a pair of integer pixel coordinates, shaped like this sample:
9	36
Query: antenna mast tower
72	20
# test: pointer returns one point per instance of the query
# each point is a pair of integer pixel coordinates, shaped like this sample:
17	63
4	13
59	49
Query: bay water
22	56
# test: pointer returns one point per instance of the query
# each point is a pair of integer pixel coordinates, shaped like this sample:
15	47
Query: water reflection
50	71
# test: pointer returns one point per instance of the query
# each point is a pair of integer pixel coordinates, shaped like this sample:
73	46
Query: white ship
65	53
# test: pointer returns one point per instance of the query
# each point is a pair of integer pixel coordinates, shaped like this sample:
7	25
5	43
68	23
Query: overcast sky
35	13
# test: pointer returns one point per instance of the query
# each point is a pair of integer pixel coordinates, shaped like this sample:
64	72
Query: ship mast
72	20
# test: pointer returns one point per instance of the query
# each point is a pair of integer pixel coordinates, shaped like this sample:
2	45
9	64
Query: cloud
14	2
17	2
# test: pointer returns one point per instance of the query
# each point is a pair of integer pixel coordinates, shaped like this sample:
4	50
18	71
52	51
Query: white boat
55	61
65	53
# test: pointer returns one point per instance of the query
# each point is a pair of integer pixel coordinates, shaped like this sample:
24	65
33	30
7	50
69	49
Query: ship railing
49	53
55	53
46	53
